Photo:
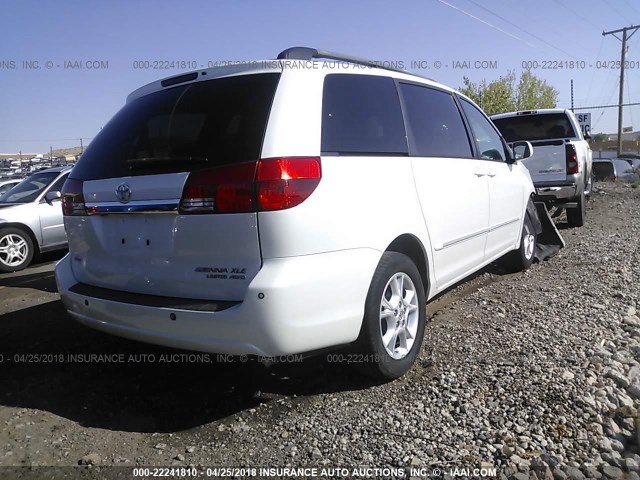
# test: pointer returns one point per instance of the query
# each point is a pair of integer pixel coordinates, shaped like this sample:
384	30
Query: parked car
280	210
613	169
561	165
8	184
634	162
31	219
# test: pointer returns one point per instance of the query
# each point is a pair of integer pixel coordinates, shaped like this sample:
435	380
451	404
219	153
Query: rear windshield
179	129
535	127
602	170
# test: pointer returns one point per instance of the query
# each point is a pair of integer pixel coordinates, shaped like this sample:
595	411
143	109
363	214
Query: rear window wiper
145	162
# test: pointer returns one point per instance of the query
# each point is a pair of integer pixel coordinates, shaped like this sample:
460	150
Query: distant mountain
626	137
59	152
64	151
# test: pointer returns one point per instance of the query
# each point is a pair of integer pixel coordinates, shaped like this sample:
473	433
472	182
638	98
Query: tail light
228	189
73	198
265	185
286	182
572	159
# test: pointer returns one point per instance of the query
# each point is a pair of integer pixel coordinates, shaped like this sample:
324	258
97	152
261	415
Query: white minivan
289	206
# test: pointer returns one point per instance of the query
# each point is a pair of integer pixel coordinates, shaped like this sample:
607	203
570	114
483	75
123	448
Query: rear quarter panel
361	201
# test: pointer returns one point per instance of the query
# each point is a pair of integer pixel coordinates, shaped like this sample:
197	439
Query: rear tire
16	249
394	319
521	259
576	216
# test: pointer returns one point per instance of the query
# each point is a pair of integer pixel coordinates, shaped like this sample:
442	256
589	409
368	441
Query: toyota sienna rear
288	206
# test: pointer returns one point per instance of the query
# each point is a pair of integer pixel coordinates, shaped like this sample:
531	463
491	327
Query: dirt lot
529	373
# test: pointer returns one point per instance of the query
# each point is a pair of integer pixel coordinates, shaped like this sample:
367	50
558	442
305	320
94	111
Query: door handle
491	174
478	173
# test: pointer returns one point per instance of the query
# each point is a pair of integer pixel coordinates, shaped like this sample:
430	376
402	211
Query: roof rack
307	53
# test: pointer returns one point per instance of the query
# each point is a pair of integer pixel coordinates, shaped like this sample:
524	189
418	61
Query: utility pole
624	39
572	94
81	147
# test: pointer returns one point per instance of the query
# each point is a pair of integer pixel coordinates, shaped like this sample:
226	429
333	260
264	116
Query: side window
489	142
361	114
434	123
57	185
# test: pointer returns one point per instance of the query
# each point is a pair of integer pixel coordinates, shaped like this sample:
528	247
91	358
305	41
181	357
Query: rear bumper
293	305
548	191
563	192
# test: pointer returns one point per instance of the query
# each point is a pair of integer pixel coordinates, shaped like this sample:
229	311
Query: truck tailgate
548	162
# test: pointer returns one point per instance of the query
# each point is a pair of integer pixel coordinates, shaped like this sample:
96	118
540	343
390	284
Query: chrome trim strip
504	224
476	234
138	206
463	239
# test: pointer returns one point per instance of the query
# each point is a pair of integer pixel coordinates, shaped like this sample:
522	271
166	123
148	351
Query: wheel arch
27	230
531	213
413	248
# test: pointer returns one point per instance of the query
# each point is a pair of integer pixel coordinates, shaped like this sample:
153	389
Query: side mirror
587	136
522	150
51	196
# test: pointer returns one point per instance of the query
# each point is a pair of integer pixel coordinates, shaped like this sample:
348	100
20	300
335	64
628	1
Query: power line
594	71
615	105
522	29
595	124
611	75
615	10
576	14
486	23
613	92
631	7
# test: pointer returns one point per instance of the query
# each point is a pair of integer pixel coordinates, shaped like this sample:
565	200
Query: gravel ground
536	374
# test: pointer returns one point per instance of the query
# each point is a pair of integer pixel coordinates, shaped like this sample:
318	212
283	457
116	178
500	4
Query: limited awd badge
123	192
223	273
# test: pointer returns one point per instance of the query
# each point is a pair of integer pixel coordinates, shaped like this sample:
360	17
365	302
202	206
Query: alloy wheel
399	316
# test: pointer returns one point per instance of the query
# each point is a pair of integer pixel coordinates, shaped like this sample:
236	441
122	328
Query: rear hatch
549	133
603	170
140	212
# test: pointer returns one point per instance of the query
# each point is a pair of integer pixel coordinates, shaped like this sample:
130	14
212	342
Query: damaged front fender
549	241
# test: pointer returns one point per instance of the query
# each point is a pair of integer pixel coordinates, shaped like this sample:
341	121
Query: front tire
394	318
521	259
16	249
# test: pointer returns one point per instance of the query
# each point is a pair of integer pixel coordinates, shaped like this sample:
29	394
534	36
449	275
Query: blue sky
53	106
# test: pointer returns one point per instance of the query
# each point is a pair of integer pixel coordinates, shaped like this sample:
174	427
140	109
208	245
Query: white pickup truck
560	166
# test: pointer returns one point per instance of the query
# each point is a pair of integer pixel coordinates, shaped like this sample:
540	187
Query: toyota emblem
123	192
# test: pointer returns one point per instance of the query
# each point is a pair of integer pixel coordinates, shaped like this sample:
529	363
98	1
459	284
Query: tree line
508	93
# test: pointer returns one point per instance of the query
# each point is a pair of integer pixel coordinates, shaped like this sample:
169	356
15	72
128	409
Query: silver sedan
31	219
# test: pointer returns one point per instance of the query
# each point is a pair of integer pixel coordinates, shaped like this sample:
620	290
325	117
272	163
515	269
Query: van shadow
32	277
47	364
44	281
47	257
51	363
